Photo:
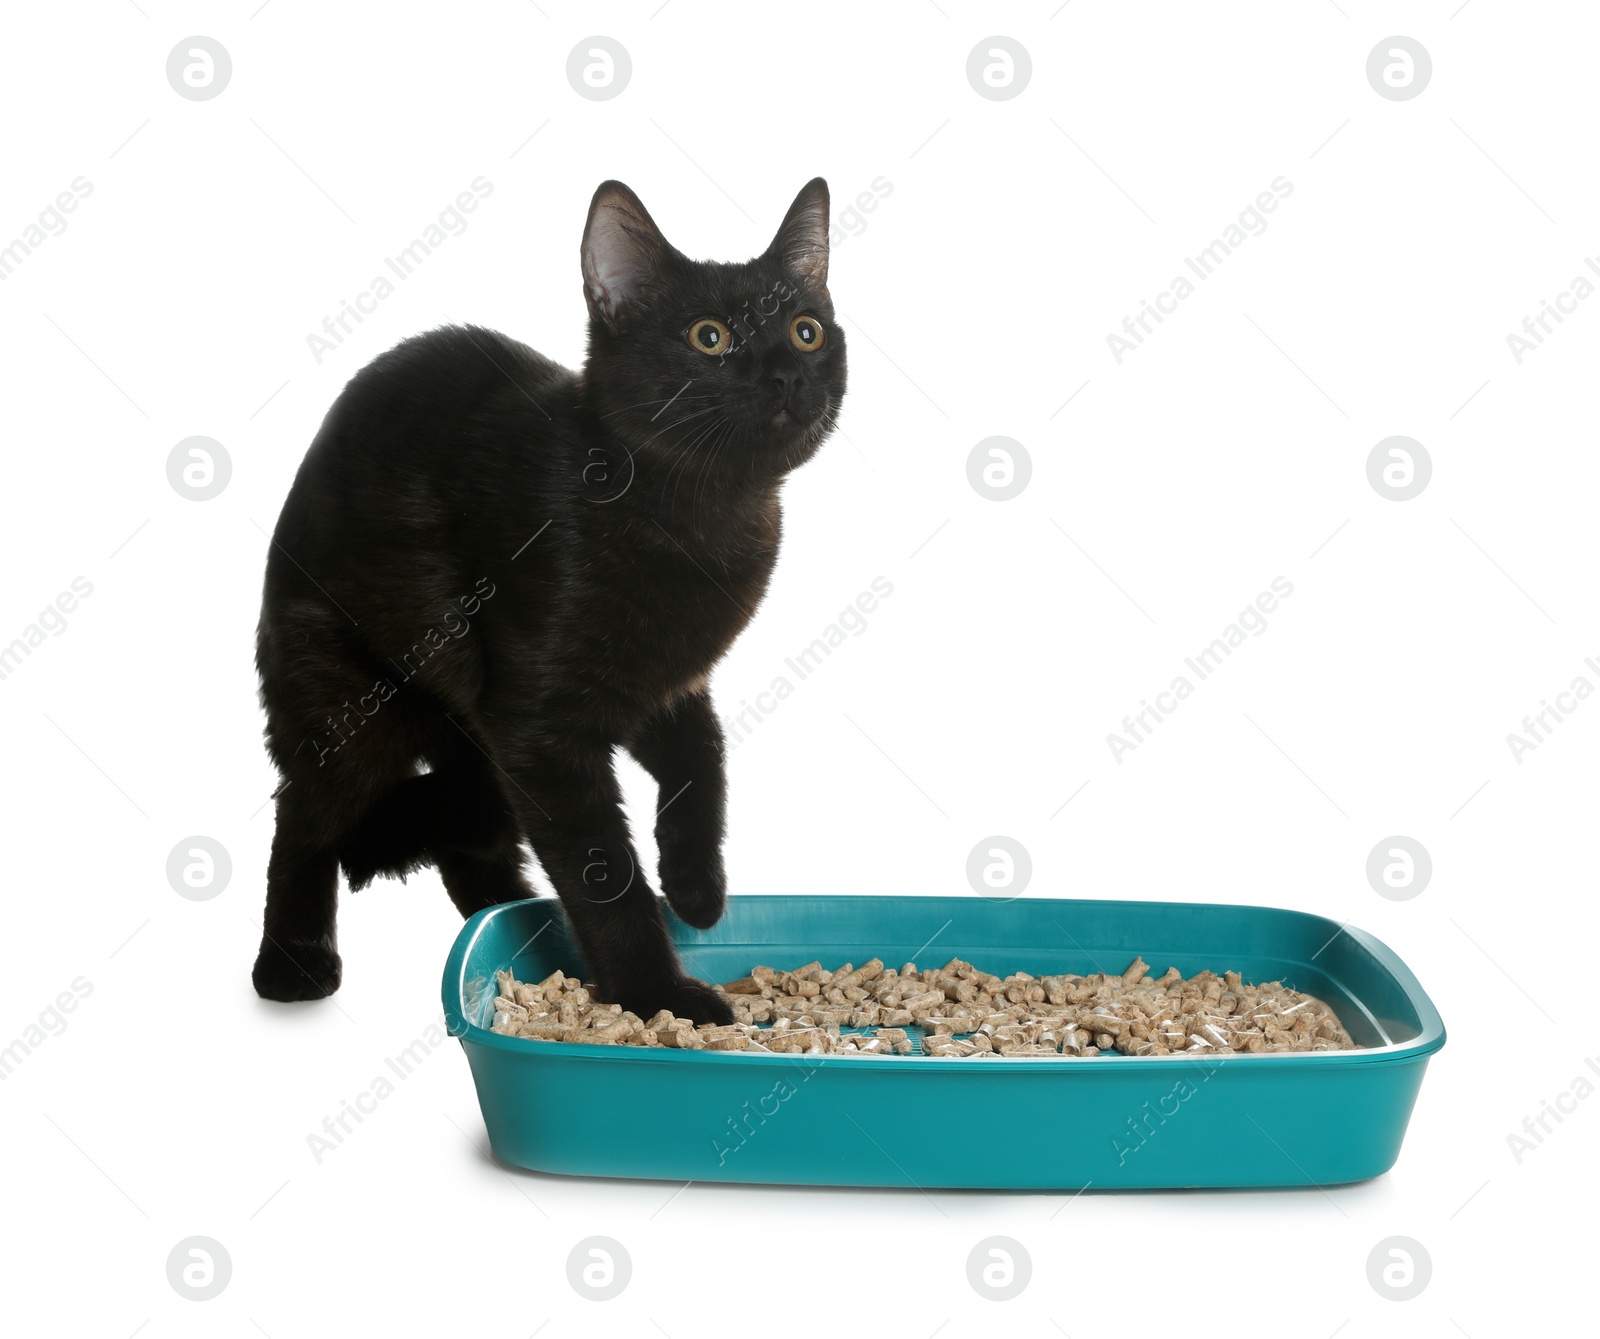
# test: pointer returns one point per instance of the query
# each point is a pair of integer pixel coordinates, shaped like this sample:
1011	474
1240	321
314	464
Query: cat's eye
709	336
805	333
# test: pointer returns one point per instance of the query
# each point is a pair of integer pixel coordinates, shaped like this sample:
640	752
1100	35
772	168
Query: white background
1230	449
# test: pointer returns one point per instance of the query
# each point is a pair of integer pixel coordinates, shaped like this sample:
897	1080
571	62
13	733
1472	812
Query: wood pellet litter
953	1012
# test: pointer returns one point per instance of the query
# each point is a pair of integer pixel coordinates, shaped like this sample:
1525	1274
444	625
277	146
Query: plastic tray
1106	1122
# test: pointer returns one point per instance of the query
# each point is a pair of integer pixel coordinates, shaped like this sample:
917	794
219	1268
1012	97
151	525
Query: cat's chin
787	427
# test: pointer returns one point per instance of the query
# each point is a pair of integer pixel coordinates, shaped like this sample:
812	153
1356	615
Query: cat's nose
786	379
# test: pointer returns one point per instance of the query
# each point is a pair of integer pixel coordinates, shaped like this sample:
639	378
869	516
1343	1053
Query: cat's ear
623	251
801	245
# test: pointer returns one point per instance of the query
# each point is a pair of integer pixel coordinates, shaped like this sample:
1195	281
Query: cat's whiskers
677	424
680	452
718	447
686	453
643	404
706	451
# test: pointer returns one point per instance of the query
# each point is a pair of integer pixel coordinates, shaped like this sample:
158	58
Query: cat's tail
394	837
420	820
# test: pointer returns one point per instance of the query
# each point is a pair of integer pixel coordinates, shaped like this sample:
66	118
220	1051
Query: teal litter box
1109	1122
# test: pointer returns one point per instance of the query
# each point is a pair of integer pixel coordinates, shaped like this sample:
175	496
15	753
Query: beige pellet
922	1000
847	977
947	1047
962	1011
895	1038
681	1035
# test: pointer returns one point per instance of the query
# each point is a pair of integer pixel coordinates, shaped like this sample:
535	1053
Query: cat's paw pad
296	971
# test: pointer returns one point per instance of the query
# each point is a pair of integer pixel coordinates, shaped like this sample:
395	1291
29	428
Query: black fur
492	571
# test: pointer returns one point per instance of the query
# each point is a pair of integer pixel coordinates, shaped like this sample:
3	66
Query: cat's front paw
296	971
684	998
696	1000
697	890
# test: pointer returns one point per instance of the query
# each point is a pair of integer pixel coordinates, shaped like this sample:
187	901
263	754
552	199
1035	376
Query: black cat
492	571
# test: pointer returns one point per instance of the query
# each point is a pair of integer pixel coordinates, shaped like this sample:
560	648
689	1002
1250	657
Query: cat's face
732	370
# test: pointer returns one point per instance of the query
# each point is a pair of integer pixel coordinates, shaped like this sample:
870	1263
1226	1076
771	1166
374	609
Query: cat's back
442	416
449	373
426	454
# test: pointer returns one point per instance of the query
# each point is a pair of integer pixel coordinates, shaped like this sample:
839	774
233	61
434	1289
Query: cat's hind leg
339	751
299	956
478	840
